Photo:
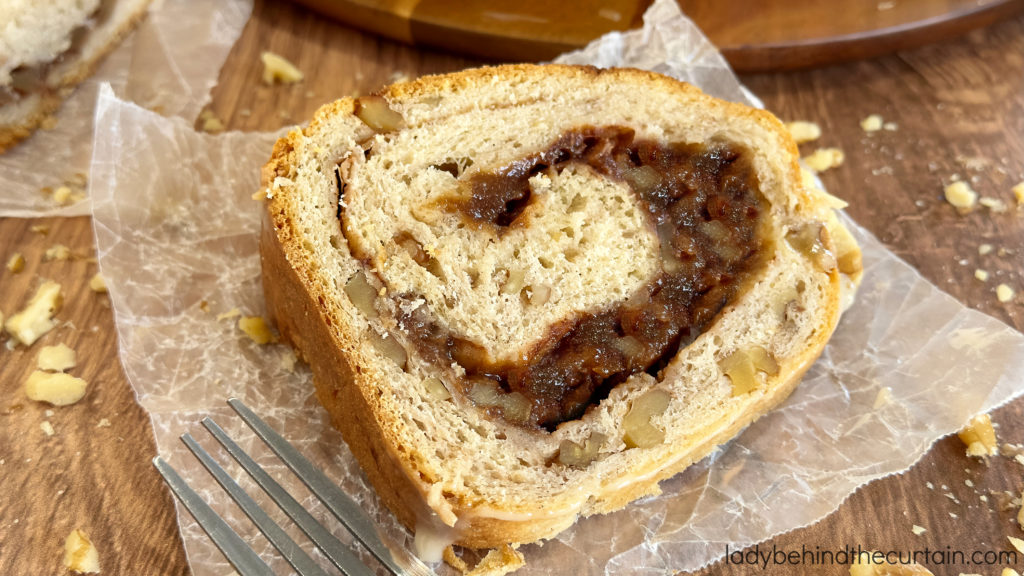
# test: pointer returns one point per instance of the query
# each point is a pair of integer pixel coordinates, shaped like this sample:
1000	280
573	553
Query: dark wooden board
954	103
754	35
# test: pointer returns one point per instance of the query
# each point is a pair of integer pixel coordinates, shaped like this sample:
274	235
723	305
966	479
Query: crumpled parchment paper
177	244
168	64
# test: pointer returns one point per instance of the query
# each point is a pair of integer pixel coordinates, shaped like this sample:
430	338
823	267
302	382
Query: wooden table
959	107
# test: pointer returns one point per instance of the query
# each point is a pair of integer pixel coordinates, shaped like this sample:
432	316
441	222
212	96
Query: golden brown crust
50	101
347	392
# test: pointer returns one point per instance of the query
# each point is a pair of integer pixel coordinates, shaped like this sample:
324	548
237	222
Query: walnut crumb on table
981	275
824	159
277	70
960	195
1004	293
872	123
36	318
802	131
16	263
979	436
80	555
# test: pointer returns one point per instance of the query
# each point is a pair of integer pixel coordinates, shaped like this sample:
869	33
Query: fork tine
344	508
291	551
237	552
345	560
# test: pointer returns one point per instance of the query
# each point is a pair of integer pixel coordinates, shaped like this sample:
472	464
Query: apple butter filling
703	200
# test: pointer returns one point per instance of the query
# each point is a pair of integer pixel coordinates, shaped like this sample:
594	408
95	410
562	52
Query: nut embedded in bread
530	293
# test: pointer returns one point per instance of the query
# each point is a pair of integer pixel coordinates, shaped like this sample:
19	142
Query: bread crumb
103	423
37	318
918	530
56	358
16	263
277	70
211	123
959	194
890	127
985	249
47	428
233	313
1018	193
80	555
981	275
803	131
993	204
56	388
454	561
979	436
57	252
97	284
824	159
498	562
1017	543
872	123
1004	293
42	229
255	327
883	397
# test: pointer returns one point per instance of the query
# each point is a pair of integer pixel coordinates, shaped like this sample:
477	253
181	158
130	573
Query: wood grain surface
959	107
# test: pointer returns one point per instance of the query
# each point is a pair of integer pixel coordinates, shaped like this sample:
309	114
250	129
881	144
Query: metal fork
241	556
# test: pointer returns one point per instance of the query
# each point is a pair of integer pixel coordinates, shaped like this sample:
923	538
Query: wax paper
177	244
169	64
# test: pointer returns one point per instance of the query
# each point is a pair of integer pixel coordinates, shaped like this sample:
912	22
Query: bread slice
47	48
342	281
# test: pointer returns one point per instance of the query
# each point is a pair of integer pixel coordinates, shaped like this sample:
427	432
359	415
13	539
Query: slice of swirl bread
368	231
47	48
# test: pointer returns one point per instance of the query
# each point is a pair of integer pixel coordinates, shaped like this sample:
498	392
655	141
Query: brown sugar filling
705	203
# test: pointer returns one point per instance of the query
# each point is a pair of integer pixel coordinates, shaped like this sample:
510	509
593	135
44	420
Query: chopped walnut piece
979	436
57	252
16	263
1018	193
803	131
97	284
37	317
80	555
55	388
255	327
960	195
56	358
1004	293
277	70
824	159
872	123
639	431
981	275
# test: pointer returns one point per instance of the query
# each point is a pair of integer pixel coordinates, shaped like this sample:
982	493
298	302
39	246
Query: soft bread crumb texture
36	318
960	195
37	32
80	555
425	446
56	358
55	388
979	436
277	70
